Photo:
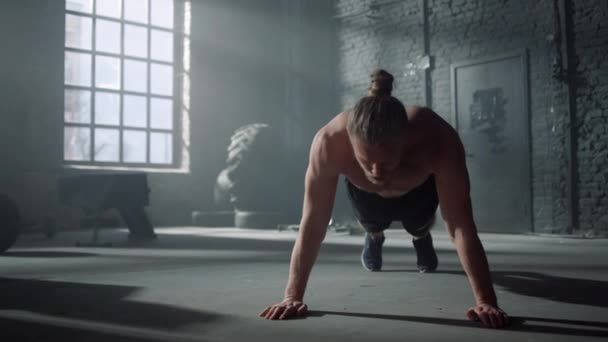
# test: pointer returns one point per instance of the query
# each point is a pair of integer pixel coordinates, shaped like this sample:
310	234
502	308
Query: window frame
177	64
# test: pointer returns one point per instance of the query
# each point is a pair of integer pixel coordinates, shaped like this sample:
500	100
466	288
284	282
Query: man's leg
425	251
371	256
371	211
419	207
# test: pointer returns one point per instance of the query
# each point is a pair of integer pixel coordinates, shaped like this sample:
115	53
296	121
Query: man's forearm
475	263
303	257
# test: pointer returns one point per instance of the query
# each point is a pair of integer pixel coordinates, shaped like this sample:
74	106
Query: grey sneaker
427	258
371	257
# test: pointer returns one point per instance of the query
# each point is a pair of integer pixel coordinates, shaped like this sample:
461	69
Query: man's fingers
493	318
284	310
489	318
276	313
271	312
472	315
500	319
504	318
302	310
268	311
483	317
288	312
263	312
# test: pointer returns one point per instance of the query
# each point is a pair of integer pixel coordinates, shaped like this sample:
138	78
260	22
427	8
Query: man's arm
319	194
453	188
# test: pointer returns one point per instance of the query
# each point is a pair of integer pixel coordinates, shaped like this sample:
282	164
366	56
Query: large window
120	95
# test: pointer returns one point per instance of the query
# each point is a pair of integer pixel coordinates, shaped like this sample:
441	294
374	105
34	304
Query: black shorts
415	210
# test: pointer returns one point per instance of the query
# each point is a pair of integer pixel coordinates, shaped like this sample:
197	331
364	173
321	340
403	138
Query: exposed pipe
563	69
426	80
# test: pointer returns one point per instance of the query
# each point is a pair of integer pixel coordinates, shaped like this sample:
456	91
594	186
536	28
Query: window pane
107	72
161	113
162	13
136	41
161	77
161	148
107	106
136	76
77	106
76	143
109	8
162	45
136	10
187	17
106	145
78	31
134	111
85	6
77	68
186	55
107	36
134	146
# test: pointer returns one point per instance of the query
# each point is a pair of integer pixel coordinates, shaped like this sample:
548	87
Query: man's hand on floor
286	309
489	315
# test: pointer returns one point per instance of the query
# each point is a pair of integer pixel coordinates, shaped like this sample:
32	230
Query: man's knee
419	230
374	227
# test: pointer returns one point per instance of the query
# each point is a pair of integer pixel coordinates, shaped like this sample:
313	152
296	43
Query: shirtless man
398	163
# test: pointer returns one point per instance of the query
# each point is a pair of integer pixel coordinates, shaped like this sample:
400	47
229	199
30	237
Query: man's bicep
320	184
319	196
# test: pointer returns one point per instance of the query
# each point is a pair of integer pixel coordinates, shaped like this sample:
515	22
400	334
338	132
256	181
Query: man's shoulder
420	112
448	149
415	108
334	132
331	142
440	137
331	146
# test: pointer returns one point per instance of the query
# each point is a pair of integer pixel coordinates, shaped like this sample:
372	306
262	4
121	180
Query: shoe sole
427	270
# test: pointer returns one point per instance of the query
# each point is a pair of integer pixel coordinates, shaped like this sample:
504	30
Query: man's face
379	162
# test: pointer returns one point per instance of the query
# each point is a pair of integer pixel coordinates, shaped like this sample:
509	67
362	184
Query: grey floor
196	284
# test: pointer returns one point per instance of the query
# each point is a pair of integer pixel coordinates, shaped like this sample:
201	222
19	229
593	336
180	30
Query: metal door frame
522	54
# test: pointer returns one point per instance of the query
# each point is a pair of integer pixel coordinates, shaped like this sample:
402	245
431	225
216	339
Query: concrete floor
196	284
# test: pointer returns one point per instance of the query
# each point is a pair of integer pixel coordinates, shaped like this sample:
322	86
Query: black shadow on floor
94	302
16	330
46	254
521	324
561	289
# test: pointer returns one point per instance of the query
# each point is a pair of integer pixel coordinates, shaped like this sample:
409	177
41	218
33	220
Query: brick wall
365	44
467	29
590	22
